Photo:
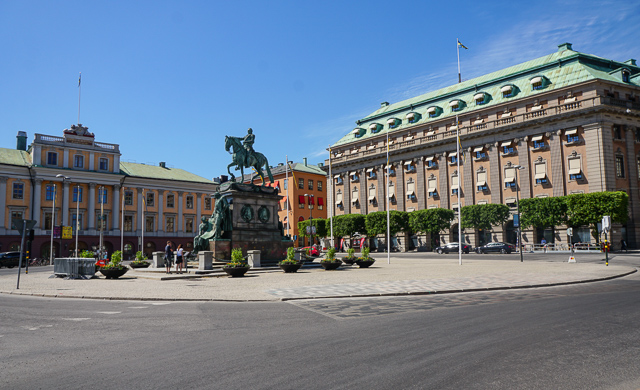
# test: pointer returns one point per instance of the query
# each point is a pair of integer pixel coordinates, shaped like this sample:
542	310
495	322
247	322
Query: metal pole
53	223
459	186
518	211
286	180
77	218
122	222
144	216
332	204
388	213
24	230
101	219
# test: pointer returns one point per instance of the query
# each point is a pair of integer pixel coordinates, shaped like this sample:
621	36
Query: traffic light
31	234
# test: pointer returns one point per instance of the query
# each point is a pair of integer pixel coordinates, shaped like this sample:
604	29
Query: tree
484	216
431	220
376	222
320	224
543	212
348	225
588	209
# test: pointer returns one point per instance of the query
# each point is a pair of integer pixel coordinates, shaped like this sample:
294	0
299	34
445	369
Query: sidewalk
402	277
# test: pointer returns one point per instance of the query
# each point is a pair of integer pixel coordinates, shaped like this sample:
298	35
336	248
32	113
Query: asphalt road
573	337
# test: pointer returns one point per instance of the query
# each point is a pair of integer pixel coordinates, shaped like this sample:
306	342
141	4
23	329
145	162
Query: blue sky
167	80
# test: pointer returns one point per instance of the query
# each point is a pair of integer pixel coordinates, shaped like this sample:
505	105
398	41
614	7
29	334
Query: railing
562	247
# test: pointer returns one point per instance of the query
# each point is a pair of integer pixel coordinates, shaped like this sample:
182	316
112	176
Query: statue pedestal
254	215
158	259
205	260
253	258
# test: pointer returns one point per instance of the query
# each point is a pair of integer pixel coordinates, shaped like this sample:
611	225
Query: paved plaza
404	275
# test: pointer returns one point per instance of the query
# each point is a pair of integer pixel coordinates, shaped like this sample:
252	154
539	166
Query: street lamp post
517	168
310	202
77	217
101	189
53	215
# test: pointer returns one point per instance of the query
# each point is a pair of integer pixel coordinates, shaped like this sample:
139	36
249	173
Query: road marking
108	312
138	307
157	303
27	327
76	319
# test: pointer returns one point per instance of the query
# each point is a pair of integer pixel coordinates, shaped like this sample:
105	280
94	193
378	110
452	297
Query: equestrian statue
245	157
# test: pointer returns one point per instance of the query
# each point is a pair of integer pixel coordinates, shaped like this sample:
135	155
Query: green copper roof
14	157
560	69
157	172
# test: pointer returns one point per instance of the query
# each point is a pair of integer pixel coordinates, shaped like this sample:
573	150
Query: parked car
11	259
501	247
452	247
314	250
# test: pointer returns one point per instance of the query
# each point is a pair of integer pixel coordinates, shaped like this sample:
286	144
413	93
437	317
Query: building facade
569	119
74	180
303	187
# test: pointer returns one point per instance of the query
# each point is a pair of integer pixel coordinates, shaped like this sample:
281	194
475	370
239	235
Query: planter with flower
140	261
330	262
114	269
290	264
365	261
237	266
351	258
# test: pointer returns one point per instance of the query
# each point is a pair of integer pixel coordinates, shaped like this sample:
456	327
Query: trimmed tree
588	209
431	221
543	212
376	222
320	224
484	216
348	225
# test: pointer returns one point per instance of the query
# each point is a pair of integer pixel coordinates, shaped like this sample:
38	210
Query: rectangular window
538	144
320	203
454	159
507	94
301	201
573	138
15	215
128	223
102	191
52	158
454	191
77	194
189	225
101	221
49	192
481	155
18	191
431	163
149	224
207	203
78	161
128	198
190	201
338	180
171	201
319	185
104	164
483	187
78	226
575	177
301	184
170	223
47	221
151	199
507	149
541	181
310	184
433	194
510	184
619	166
638	166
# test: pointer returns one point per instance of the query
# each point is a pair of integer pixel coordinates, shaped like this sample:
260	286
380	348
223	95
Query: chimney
384	104
163	164
631	62
223	178
21	143
564	46
320	165
304	161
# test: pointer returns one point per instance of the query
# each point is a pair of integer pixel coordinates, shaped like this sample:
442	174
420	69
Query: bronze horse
240	159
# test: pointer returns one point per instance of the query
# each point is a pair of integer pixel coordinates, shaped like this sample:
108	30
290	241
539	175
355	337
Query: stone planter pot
330	265
290	268
349	260
236	272
365	263
132	265
113	273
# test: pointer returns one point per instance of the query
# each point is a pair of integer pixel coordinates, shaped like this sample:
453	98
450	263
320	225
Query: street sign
606	223
67	233
516	220
57	231
19	224
311	230
570	232
599	227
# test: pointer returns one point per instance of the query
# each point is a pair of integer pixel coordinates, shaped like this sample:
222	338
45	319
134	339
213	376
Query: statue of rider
247	142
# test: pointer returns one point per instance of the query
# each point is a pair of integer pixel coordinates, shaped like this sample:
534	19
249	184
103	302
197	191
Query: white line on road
108	312
76	319
157	303
138	307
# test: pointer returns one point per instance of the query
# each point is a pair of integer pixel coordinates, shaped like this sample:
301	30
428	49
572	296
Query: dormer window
626	76
481	98
432	111
538	82
508	91
413	117
393	122
375	127
52	158
538	142
456	105
359	132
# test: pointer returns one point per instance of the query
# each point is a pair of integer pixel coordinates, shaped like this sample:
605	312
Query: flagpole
79	94
286	180
458	49
388	215
458	161
330	201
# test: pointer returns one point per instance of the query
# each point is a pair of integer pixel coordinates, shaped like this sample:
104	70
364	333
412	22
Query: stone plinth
253	258
205	260
158	259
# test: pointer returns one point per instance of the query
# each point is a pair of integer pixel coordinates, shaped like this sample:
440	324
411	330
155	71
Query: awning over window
389	166
506	143
506	114
320	201
336	176
535	80
369	170
301	199
455	187
408	162
311	200
478	121
454	182
482	178
432	110
430	158
506	89
482	183
570	100
432	183
391	191
510	200
571	131
574	166
478	149
509	179
411	193
454	103
372	195
540	171
429	133
537	138
451	154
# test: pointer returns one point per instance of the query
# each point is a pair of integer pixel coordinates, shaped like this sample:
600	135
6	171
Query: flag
80	78
461	45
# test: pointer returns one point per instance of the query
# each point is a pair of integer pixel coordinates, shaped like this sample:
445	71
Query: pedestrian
543	242
168	256
179	252
623	245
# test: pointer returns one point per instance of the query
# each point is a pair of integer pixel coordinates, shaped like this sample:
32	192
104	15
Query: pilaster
382	192
495	174
180	222
468	190
443	181
557	164
421	183
160	221
91	218
139	211
115	217
634	194
3	203
401	186
524	175
36	212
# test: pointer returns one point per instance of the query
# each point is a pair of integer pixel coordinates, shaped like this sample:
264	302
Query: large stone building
570	119
149	204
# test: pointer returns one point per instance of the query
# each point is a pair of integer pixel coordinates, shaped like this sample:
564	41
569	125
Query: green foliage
331	254
376	222
351	252
116	259
140	256
291	252
543	212
237	260
365	252
320	224
85	254
588	209
484	216
348	225
431	220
